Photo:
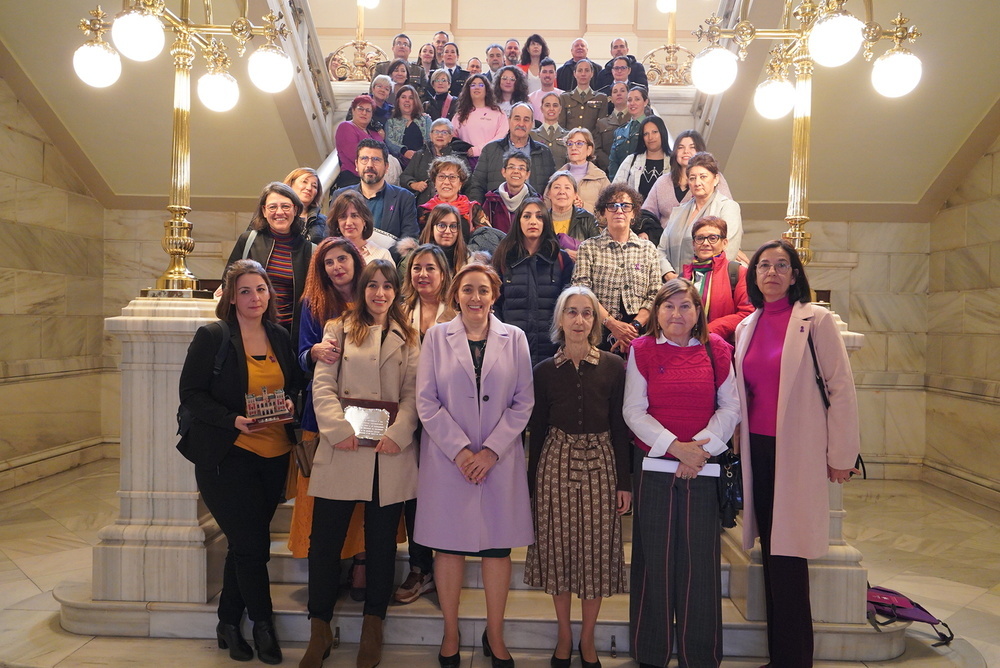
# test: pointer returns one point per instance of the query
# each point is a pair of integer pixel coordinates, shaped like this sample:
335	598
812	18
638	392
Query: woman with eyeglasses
620	268
681	404
675	247
721	283
478	120
578	473
441	103
416	176
799	429
449	174
275	240
509	87
444	228
533	271
590	177
350	133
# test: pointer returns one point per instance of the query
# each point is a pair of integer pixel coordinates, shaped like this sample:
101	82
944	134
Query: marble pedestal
164	546
838	583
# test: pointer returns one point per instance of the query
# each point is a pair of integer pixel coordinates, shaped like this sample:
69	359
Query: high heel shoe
556	662
497	663
453	661
587	664
266	640
230	637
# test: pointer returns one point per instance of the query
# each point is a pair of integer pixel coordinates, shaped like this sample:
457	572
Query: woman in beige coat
799	429
592	179
379	362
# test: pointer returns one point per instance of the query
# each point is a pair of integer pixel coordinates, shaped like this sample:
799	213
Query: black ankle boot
230	637
266	641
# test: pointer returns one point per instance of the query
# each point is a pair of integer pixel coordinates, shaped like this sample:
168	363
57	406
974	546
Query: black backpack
184	416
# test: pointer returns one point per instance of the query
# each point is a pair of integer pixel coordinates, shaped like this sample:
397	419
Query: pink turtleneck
762	367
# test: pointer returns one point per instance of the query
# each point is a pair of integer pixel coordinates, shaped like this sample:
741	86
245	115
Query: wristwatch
637	325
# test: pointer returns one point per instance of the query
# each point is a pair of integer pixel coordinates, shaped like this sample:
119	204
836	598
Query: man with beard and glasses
393	208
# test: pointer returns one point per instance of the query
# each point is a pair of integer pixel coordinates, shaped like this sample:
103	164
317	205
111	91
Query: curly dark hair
259	222
616	189
520	93
465	103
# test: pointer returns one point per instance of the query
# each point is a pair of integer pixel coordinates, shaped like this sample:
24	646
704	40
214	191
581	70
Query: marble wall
51	328
963	358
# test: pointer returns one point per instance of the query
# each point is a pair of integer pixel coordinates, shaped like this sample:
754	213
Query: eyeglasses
477	85
373	159
446	177
441	132
517	169
764	268
624	207
576	144
508	79
588	314
619	68
362	110
710	238
285	208
446	227
441	80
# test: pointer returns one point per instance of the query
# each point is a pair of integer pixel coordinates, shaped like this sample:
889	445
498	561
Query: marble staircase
530	622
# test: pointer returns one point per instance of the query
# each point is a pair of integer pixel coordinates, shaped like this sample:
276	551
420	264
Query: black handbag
730	487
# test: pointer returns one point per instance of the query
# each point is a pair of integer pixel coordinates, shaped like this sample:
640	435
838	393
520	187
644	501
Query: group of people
552	350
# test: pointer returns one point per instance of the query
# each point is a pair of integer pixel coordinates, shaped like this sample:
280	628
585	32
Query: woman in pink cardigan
799	428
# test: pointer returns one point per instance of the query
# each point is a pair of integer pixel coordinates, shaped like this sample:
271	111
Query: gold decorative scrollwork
355	61
674	69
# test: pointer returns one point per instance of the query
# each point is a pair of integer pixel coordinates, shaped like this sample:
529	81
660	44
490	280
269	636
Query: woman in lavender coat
474	398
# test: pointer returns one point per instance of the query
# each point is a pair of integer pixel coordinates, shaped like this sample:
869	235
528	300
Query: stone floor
938	548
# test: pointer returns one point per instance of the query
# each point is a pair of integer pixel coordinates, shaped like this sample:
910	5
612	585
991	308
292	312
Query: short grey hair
445	122
556	332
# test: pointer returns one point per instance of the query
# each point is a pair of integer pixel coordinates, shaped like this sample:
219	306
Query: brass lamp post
827	35
138	33
356	60
675	69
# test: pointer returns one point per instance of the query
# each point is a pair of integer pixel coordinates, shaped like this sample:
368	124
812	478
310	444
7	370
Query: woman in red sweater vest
681	403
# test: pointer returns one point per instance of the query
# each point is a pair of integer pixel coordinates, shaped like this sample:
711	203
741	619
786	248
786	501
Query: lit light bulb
97	64
896	72
667	6
713	70
218	91
270	69
835	39
774	98
138	35
368	4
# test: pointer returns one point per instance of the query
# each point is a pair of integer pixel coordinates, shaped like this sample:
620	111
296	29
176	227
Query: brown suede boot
320	642
370	647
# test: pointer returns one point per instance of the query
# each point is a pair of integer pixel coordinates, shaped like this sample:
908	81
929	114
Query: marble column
838	582
164	546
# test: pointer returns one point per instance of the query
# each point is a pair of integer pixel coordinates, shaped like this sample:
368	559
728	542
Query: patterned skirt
578	534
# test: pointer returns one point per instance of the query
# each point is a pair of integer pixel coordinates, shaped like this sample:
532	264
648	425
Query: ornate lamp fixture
138	33
356	60
827	34
675	69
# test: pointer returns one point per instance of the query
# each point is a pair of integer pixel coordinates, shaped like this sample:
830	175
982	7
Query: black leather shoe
587	664
453	661
556	662
266	641
496	663
230	637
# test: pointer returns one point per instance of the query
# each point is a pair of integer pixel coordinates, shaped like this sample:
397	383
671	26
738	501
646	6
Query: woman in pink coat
474	398
794	436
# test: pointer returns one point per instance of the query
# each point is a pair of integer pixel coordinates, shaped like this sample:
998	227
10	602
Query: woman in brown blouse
578	473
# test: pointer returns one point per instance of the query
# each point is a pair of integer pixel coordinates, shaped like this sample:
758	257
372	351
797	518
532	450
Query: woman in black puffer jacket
534	271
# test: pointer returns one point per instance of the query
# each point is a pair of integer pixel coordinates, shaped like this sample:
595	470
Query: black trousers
330	521
421	557
786	579
242	493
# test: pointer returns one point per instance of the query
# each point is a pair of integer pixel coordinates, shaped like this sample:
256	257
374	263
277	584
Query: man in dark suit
450	63
401	46
635	75
564	76
394	208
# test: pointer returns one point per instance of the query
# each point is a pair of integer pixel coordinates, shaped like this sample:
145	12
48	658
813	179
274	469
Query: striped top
279	270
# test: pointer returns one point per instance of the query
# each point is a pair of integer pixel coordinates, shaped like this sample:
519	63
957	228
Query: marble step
283	568
529	623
